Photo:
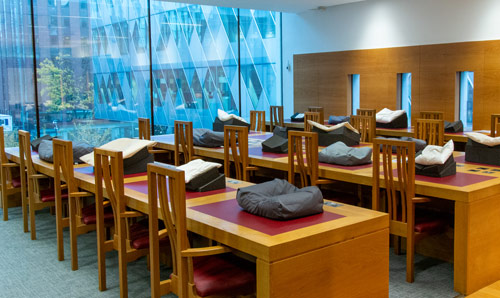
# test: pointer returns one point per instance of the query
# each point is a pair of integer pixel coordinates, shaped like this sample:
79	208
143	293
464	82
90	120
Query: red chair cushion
16	182
429	225
139	235
223	275
89	216
48	195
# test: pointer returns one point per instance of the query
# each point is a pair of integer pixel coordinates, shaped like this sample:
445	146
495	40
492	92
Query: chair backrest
313	116
321	112
276	117
25	153
495	119
108	171
432	115
303	157
3	156
366	112
258	121
236	146
63	164
144	129
498	127
172	198
365	125
399	192
431	131
183	135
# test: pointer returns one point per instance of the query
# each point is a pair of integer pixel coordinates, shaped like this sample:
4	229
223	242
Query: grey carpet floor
30	268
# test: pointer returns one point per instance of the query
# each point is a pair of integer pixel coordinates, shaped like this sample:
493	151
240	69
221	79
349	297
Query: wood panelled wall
321	79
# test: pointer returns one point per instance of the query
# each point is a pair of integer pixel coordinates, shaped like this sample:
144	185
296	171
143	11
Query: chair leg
73	234
101	250
24	203
397	244
59	230
410	255
122	261
5	206
32	217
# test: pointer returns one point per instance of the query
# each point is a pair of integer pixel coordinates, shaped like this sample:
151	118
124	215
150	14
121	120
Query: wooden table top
398	132
472	181
216	215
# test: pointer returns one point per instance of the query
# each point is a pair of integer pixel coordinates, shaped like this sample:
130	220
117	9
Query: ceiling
294	6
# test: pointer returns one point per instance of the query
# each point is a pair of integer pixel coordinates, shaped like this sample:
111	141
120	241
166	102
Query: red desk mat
257	151
90	171
230	211
142	187
352	168
459	179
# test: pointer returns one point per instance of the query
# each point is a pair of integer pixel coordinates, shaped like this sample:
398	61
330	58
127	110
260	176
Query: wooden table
326	255
458	137
475	191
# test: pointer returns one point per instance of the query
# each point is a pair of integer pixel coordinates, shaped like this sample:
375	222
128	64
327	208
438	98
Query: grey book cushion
207	138
419	144
456	126
280	200
341	154
338	119
45	151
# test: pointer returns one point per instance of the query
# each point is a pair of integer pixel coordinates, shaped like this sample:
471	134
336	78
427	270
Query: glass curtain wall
94	65
466	98
17	101
406	95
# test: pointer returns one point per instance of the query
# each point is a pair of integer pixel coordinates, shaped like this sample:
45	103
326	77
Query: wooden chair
495	119
431	131
276	117
313	116
365	125
31	183
258	121
80	220
303	158
183	132
131	240
321	112
400	196
366	112
186	260
236	149
432	115
144	129
10	175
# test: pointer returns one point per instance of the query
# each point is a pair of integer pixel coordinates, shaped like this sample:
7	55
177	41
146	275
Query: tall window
354	93
405	94
466	98
95	73
17	103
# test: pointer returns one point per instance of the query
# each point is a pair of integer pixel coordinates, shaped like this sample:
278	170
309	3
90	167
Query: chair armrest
38	176
252	168
128	214
324	181
163	233
10	165
419	200
205	251
80	194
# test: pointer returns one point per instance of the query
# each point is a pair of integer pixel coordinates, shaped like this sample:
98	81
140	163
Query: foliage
61	87
88	133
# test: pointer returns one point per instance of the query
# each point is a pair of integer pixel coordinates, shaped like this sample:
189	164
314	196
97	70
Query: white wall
385	23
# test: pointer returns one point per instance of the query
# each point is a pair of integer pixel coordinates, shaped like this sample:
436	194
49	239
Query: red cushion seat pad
429	225
223	275
89	216
48	195
16	182
139	235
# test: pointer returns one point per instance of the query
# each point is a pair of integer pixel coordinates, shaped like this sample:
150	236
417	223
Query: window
466	98
404	80
354	93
